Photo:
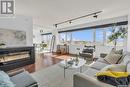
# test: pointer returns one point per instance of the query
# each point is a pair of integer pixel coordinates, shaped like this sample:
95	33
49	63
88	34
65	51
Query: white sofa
88	79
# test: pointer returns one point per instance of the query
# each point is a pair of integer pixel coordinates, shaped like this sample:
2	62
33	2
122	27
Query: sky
87	35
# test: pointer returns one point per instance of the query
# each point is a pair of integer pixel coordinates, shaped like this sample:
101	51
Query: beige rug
54	76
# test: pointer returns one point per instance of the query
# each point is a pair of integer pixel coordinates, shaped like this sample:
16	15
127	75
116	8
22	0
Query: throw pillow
115	67
113	58
5	80
117	51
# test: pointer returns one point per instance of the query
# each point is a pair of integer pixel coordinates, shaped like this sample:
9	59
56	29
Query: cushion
98	65
102	60
23	79
128	67
121	59
91	72
113	58
117	51
115	67
5	80
126	59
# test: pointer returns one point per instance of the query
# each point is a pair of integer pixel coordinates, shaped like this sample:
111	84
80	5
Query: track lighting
41	31
95	16
70	20
55	25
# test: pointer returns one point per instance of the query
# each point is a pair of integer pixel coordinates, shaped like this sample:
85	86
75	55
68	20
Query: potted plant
43	45
116	34
2	45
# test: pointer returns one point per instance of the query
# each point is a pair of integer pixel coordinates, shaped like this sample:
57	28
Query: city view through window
97	36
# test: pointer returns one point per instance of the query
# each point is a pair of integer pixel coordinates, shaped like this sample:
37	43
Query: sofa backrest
128	67
126	58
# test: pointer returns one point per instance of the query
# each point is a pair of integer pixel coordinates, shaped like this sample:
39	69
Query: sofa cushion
98	65
23	79
126	53
126	59
102	60
5	80
115	67
128	67
113	58
91	72
117	51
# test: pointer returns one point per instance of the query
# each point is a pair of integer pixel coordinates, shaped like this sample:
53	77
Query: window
93	36
99	35
83	35
120	41
62	37
46	38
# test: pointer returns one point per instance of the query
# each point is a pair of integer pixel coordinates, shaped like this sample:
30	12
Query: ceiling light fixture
70	20
95	16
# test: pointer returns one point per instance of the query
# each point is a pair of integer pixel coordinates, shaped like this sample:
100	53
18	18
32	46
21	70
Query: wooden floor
44	61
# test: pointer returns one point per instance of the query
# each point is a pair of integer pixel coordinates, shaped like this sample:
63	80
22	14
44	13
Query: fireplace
11	58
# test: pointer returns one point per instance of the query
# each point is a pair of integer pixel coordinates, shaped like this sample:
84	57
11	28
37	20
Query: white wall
97	22
37	36
22	23
128	39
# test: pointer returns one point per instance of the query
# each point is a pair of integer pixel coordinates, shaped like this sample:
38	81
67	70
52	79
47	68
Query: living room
82	43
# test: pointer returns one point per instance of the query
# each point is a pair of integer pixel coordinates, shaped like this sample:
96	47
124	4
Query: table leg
81	69
64	72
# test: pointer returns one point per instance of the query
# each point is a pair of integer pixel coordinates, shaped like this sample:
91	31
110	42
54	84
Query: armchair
87	52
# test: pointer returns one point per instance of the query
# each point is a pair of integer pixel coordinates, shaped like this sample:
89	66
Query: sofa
88	78
22	78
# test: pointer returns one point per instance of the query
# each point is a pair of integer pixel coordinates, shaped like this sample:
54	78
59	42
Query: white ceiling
48	12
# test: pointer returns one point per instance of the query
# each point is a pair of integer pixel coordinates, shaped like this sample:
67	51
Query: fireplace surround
15	57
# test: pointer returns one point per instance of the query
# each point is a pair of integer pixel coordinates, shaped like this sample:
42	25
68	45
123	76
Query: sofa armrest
82	80
13	73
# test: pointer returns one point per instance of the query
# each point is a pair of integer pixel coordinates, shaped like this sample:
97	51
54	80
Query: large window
93	36
99	36
62	37
84	35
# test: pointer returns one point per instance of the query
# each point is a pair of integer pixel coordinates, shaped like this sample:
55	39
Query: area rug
53	76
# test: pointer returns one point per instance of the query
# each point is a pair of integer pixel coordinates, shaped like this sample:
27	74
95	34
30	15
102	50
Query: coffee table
65	64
